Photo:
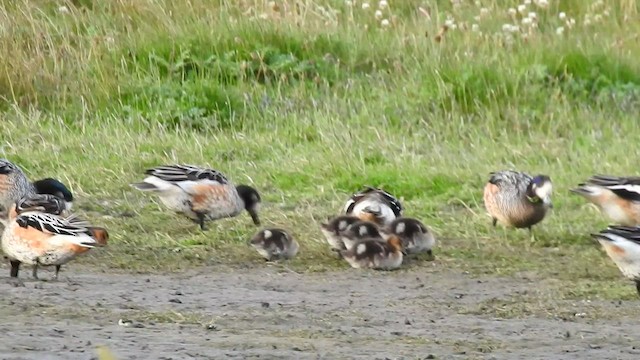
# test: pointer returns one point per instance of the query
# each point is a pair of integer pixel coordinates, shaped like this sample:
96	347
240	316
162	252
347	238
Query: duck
375	205
201	194
14	185
617	197
334	228
375	254
37	235
622	245
359	231
274	244
416	237
517	199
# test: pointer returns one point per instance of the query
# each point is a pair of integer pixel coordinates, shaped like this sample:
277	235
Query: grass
308	102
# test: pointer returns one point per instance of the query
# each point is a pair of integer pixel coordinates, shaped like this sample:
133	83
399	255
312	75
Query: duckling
375	254
199	193
274	243
622	245
334	228
359	231
375	205
415	236
516	199
616	197
45	238
14	185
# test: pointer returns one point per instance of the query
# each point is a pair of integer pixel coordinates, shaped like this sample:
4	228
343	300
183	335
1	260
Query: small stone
178	293
175	300
265	305
407	322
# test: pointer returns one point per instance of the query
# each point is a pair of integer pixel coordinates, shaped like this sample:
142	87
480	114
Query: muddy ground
271	312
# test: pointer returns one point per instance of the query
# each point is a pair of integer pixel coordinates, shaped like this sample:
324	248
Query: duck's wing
183	172
631	233
625	187
510	180
386	197
52	224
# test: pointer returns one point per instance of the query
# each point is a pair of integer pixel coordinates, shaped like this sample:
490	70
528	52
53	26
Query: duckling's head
251	200
339	224
54	187
42	203
363	229
395	243
541	188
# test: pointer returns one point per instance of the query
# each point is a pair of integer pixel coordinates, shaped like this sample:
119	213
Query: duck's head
54	187
540	189
41	203
363	229
251	200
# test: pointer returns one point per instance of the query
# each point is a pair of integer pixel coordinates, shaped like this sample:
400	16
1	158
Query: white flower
510	28
597	18
522	8
449	23
527	2
572	21
484	11
526	21
562	15
532	15
63	10
365	6
476	18
560	30
475	27
512	12
542	3
384	22
606	13
383	4
348	3
378	14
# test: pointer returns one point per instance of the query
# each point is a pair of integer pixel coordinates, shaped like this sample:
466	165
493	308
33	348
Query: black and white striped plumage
622	245
373	204
616	197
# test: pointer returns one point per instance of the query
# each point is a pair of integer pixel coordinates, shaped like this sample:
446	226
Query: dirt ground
271	312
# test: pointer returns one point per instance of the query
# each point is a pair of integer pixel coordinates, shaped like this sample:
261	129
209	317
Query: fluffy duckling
616	197
360	231
415	236
516	199
42	238
375	205
274	244
375	254
335	228
14	185
622	244
199	193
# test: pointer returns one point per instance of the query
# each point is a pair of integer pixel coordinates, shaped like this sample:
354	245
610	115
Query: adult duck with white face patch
516	199
201	194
